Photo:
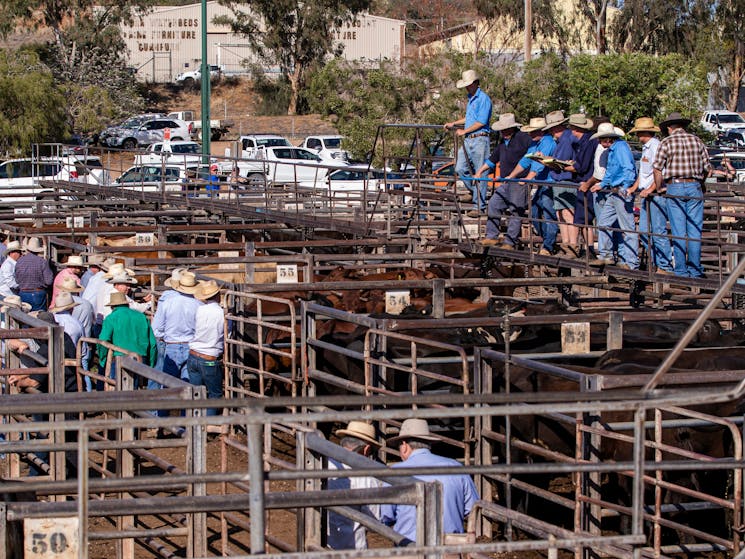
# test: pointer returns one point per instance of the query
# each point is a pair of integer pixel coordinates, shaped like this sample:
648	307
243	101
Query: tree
294	34
31	106
730	24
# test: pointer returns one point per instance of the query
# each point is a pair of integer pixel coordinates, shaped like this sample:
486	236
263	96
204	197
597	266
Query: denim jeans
208	374
618	212
653	220
175	357
478	150
510	197
37	299
543	209
685	208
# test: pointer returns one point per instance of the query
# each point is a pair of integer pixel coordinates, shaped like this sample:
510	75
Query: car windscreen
186	148
271	142
737	162
730	119
332	143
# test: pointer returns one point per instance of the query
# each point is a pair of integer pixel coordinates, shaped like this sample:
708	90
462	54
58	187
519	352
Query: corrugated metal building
168	41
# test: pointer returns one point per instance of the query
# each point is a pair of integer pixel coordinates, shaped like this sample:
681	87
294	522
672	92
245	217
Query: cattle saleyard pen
599	411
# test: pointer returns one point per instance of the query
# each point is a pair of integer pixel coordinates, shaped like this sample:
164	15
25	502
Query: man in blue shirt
582	169
475	134
458	490
618	210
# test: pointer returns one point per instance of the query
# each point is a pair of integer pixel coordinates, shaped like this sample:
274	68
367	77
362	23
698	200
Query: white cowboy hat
116	299
536	123
414	429
70	284
607	130
580	121
175	276
116	269
13	246
554	118
206	289
506	120
14	302
187	283
466	79
74	260
33	244
359	430
62	302
123	278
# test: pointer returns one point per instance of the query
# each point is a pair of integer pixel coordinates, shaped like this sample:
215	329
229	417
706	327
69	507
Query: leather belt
477	135
685	179
204	355
175	343
31	290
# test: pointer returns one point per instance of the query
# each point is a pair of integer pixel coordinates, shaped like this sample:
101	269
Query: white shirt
103	297
8	277
599	172
209	331
343	533
74	329
646	169
90	293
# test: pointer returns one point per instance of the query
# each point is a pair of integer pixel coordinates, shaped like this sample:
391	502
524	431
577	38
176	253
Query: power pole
528	29
206	133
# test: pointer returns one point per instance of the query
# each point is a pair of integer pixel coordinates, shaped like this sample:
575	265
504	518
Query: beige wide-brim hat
466	79
675	118
206	289
116	269
505	121
644	124
75	261
13	246
107	264
14	302
94	260
117	298
187	283
359	430
554	118
33	244
62	302
414	429
70	285
536	123
607	130
580	121
122	278
175	276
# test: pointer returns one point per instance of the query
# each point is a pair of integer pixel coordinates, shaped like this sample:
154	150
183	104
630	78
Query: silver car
141	134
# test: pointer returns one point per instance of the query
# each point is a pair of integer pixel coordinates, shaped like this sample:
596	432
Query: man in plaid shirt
680	167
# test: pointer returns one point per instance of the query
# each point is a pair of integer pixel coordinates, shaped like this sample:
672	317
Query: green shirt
130	330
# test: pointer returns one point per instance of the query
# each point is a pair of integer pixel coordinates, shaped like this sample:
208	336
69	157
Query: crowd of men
584	182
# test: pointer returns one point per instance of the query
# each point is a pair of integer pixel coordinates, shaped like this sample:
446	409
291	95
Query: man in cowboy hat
174	324
618	207
93	263
475	134
458	490
96	284
680	167
33	275
72	269
653	211
119	279
128	329
62	308
543	212
510	197
8	283
84	314
343	532
582	169
171	282
204	363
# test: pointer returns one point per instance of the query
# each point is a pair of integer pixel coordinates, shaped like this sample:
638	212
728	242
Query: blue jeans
685	208
543	209
172	363
511	197
37	299
618	212
478	150
653	220
208	374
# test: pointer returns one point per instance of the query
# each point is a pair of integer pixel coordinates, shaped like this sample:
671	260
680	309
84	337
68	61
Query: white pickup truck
218	128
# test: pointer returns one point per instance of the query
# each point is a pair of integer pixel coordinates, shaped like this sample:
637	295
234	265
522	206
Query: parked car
293	164
191	78
133	122
327	147
734	138
719	121
351	178
218	128
153	177
181	152
736	160
252	143
145	133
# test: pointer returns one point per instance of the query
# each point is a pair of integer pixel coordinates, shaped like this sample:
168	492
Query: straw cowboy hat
536	123
62	302
116	269
359	430
644	124
607	130
70	285
554	118
123	278
94	260
75	261
116	299
506	121
675	118
33	244
175	276
187	283
13	246
580	121
466	79
206	289
414	429
14	302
